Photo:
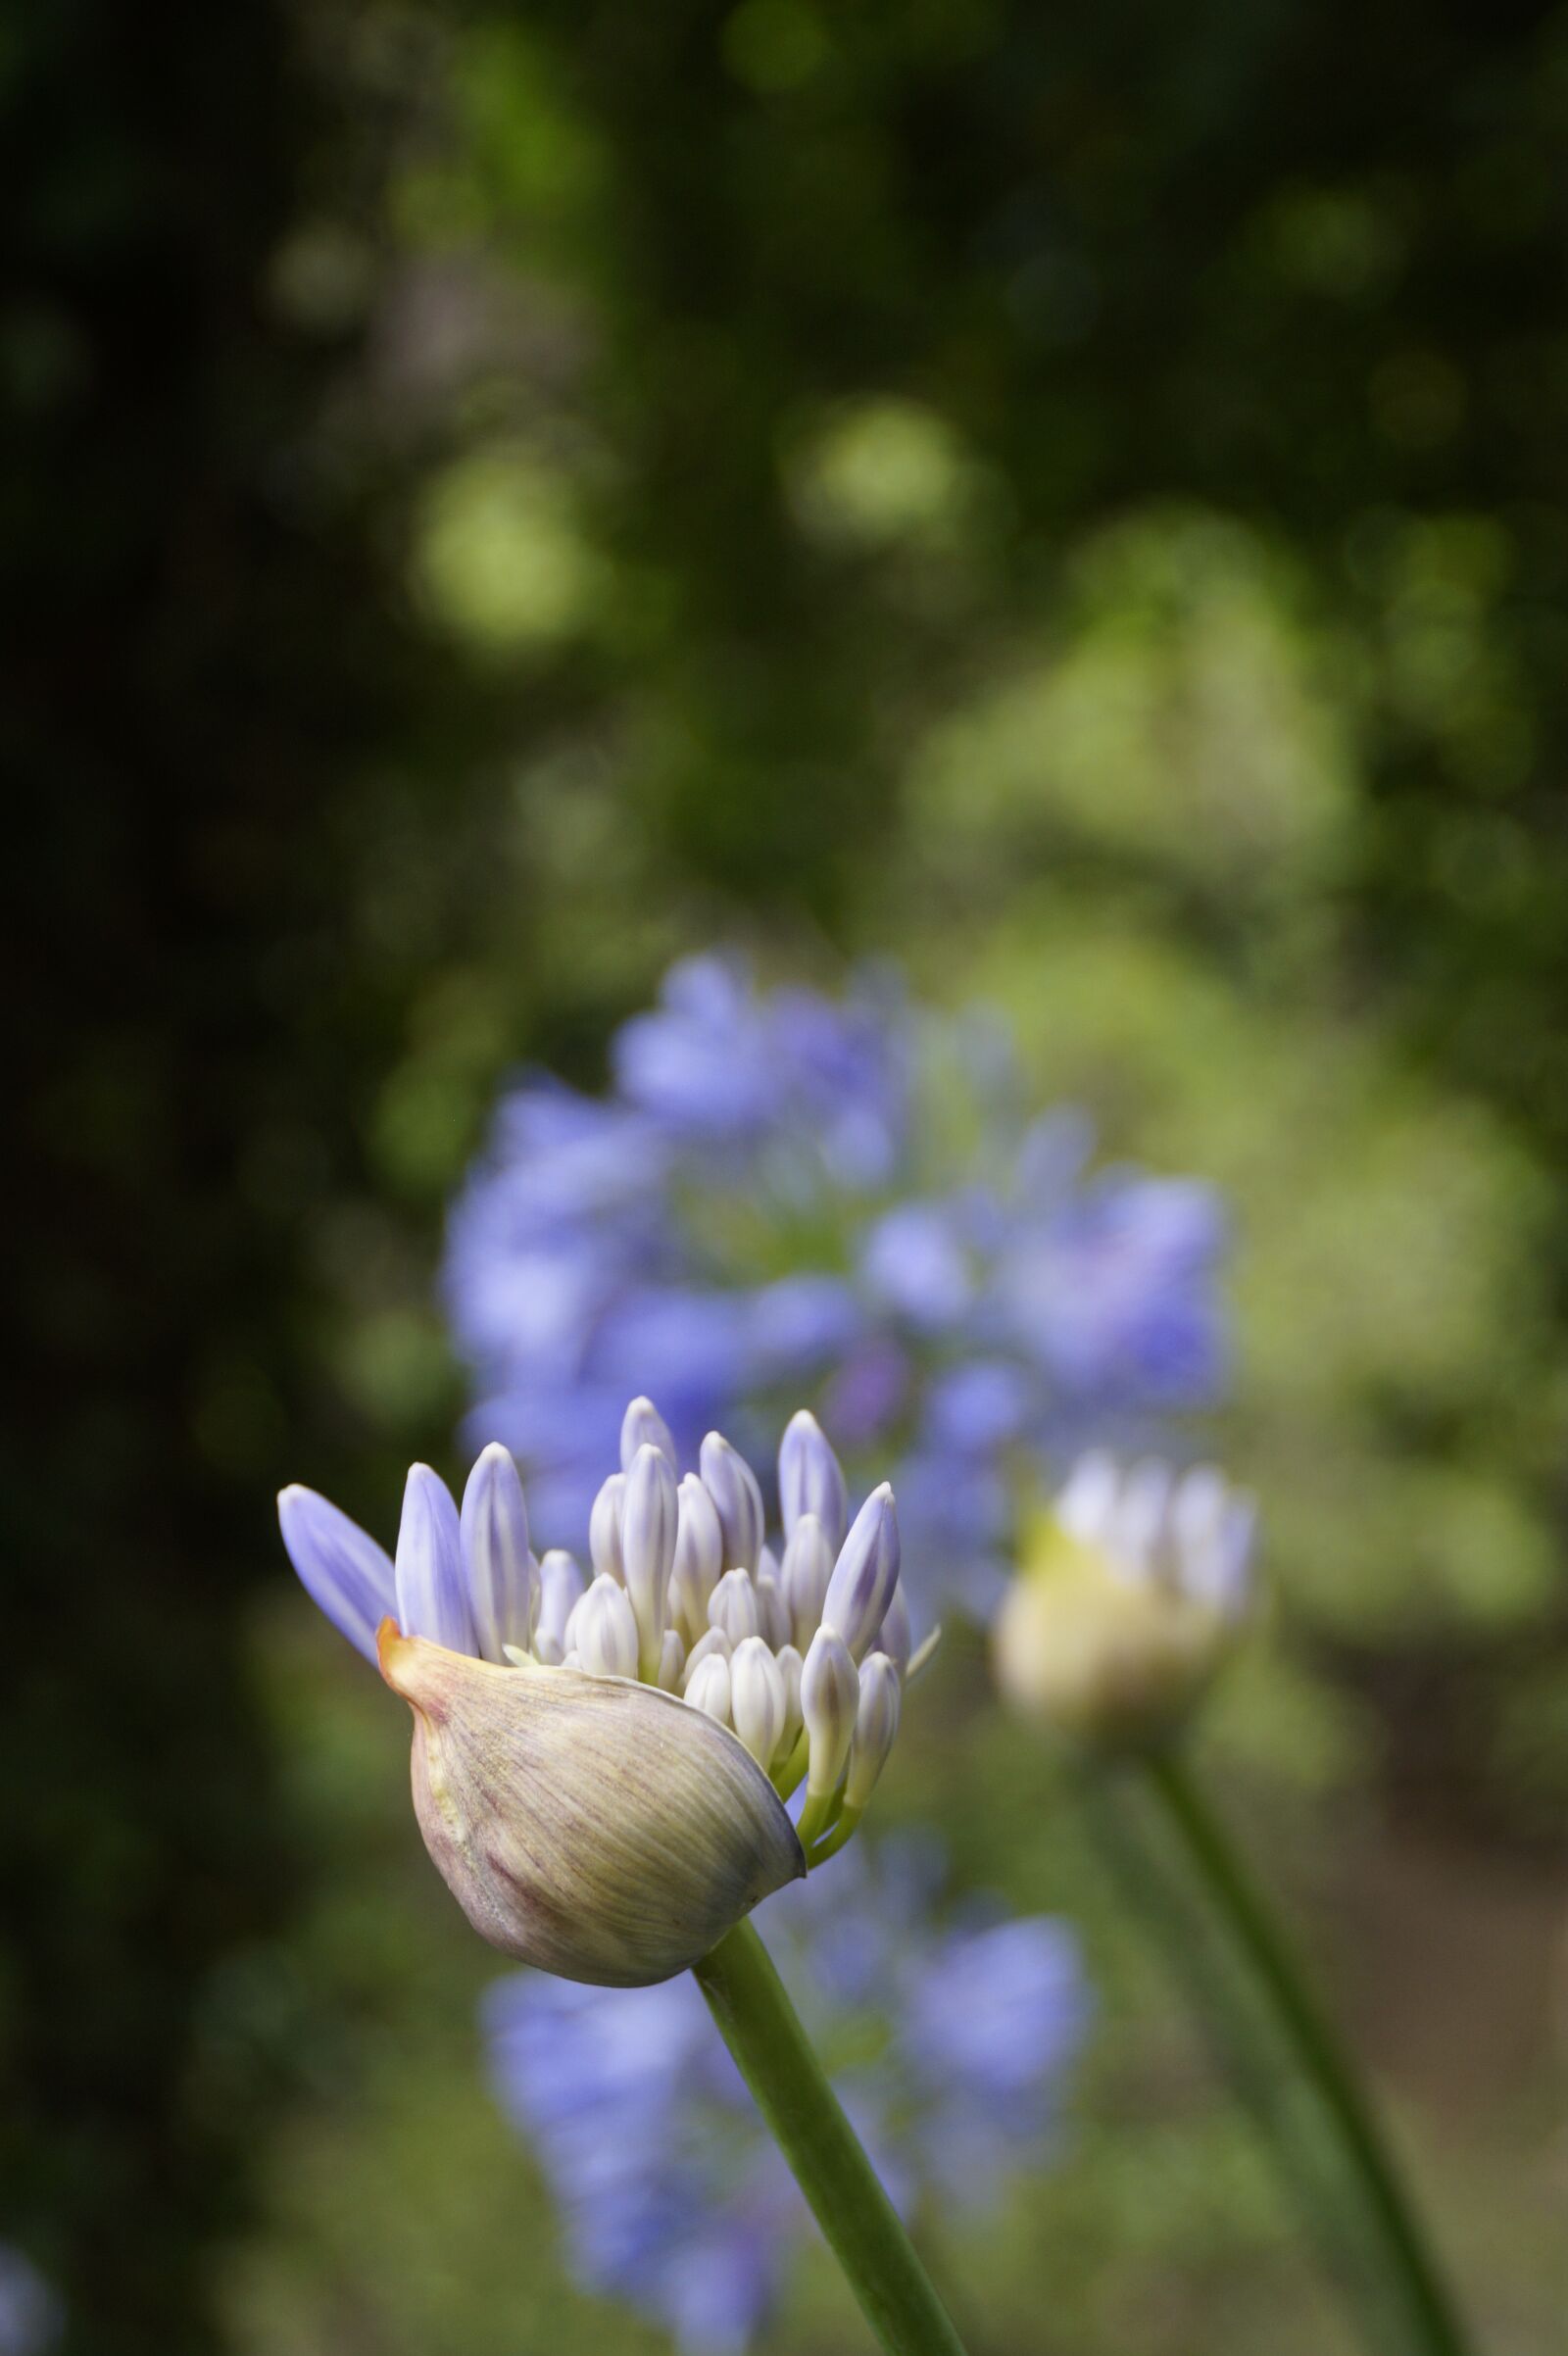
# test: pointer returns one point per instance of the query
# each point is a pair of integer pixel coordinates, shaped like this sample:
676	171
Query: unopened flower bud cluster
801	1652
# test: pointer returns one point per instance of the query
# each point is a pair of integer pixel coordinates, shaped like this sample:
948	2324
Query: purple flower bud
644	1427
433	1591
732	1485
340	1566
810	1479
503	1576
865	1574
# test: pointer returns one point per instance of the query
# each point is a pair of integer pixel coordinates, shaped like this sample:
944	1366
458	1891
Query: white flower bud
1127	1604
561	1587
708	1689
599	1830
502	1573
865	1574
606	1631
604	1529
876	1726
756	1700
732	1485
713	1640
789	1668
775	1620
830	1690
671	1662
734	1606
802	1581
642	1425
699	1558
648	1548
810	1481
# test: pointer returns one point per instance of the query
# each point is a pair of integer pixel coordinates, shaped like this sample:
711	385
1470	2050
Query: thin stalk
1324	2060
762	2031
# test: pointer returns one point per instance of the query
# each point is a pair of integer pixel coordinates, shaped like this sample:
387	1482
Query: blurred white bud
1128	1602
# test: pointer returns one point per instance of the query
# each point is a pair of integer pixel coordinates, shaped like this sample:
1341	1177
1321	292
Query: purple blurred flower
949	2046
786	1195
31	2317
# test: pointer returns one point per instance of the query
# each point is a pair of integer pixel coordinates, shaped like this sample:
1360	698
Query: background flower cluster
786	1195
950	2042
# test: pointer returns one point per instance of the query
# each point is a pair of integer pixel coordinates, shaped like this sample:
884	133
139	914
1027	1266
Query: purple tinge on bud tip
732	1485
810	1479
497	1558
865	1574
340	1566
432	1595
643	1426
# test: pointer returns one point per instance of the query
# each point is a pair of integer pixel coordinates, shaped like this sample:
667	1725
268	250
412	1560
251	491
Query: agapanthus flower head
1133	1592
950	2034
600	1763
787	1194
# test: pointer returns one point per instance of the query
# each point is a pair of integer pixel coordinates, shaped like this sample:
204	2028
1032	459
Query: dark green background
491	499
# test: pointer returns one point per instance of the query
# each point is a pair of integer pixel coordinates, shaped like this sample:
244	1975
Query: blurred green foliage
496	497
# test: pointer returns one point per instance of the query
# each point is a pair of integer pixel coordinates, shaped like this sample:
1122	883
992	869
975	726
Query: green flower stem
762	2031
1323	2059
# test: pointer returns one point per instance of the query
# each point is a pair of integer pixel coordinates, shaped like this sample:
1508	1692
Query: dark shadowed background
492	498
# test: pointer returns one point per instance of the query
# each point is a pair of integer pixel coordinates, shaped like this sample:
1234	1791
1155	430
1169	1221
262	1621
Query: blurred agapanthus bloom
601	1768
785	1195
950	2048
1132	1593
32	2316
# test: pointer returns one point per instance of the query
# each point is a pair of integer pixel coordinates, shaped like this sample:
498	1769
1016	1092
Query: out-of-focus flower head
600	1766
950	2047
32	2316
785	1193
1132	1594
